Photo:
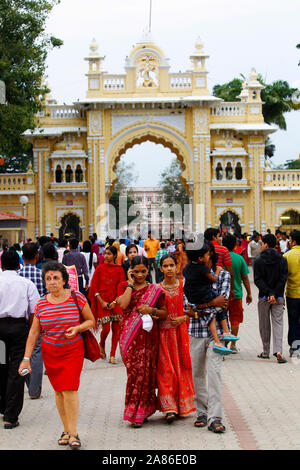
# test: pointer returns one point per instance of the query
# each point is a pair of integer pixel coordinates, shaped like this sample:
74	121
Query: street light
24	200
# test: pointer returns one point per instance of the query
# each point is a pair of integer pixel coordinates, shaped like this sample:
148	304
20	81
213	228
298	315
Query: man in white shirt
18	298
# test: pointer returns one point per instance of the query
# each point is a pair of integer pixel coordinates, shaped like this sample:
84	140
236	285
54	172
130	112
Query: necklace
140	287
175	285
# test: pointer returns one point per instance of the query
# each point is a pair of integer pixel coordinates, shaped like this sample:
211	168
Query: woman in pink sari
142	304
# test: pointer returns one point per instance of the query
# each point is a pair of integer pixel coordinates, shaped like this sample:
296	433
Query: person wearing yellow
293	291
151	246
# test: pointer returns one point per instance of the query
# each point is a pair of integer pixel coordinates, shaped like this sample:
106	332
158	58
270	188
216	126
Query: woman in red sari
174	368
102	293
142	304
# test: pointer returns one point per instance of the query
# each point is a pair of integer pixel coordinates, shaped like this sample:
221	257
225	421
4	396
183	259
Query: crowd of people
174	307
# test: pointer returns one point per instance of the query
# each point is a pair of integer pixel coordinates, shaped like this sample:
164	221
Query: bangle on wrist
26	358
130	285
97	293
154	310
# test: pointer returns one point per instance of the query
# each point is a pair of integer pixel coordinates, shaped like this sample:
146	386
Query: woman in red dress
57	317
102	294
142	304
174	368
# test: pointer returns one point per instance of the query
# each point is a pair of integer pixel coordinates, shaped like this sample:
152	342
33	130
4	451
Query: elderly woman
57	317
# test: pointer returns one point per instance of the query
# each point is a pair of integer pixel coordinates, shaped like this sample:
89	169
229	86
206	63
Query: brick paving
260	402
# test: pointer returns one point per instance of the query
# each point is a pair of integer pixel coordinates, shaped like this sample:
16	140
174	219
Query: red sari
174	368
105	280
139	350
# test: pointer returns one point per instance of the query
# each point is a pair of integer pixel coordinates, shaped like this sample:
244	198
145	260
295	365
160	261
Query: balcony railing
114	82
180	81
17	182
65	112
282	179
229	109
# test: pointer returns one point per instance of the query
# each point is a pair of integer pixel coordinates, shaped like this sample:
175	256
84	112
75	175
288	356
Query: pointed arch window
69	174
219	171
238	171
58	174
78	174
228	171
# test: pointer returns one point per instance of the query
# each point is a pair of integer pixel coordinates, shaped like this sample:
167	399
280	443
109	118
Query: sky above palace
238	35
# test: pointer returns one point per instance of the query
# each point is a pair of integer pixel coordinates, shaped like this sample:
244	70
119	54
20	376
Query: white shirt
18	295
283	245
91	271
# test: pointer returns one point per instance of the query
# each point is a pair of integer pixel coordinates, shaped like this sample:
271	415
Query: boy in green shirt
240	276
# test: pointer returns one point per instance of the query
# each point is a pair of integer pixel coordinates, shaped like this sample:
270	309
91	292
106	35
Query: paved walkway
260	399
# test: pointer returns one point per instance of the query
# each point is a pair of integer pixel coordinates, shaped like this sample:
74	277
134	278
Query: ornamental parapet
281	180
16	183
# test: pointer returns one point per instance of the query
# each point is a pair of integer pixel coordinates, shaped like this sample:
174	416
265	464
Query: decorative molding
121	120
95	123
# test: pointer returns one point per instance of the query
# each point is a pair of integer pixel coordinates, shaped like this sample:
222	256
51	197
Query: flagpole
150	15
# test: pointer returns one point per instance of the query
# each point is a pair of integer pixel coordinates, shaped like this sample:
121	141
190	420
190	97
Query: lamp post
24	200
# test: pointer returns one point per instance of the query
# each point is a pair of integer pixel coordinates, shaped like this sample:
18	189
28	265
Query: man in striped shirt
30	271
224	260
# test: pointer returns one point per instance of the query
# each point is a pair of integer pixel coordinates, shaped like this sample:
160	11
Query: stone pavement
260	400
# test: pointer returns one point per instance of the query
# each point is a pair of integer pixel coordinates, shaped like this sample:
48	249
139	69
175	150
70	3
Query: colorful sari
174	368
139	350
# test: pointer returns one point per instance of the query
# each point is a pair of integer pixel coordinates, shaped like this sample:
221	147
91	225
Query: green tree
125	175
24	47
290	165
172	186
276	97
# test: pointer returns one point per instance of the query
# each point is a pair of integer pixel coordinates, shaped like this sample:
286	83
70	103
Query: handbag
91	346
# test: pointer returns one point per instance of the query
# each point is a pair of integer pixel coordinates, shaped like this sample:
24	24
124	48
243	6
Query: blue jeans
293	308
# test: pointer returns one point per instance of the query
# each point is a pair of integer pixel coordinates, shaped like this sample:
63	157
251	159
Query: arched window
69	174
228	171
238	171
58	174
78	174
219	171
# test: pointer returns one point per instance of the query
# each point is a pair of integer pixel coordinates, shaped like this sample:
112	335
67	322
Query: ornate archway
157	134
229	221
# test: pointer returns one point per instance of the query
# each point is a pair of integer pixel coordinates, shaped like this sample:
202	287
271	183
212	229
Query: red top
105	280
224	258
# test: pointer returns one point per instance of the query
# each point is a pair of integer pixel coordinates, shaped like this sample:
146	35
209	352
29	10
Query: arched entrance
70	224
157	134
290	220
229	222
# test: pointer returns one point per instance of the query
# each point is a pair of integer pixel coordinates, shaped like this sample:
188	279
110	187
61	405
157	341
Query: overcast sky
238	35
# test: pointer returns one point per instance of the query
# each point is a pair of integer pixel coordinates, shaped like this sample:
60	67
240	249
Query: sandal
280	359
102	352
201	421
75	443
263	356
170	417
63	441
216	426
137	425
222	350
113	360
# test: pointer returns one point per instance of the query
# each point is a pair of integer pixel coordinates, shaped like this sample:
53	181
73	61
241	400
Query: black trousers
13	333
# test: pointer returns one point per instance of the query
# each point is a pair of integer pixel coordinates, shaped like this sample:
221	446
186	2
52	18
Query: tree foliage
126	176
172	186
24	46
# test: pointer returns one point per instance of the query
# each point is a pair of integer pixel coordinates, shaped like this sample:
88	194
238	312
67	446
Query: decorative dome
94	46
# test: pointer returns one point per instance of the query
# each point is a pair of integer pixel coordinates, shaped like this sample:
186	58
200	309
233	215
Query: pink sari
139	350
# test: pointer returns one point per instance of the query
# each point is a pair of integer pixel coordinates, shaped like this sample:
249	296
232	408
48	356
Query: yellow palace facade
220	146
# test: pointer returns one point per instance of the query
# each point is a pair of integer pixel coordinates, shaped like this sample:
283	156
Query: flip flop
223	351
263	356
230	338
